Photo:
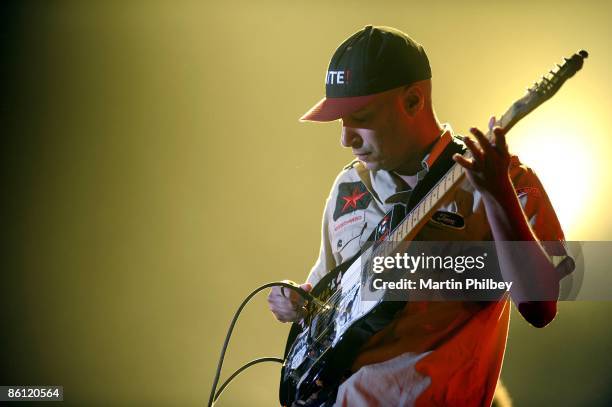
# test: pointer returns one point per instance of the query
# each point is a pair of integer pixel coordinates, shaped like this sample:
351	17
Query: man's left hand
487	170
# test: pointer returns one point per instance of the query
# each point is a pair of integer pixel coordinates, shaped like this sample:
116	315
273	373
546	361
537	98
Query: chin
375	165
372	166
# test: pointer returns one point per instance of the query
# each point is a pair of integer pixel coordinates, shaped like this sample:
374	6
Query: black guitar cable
214	394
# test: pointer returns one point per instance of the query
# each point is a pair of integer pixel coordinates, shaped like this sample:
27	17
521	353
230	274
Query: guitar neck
419	215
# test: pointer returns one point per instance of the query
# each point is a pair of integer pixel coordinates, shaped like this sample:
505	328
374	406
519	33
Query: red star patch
352	199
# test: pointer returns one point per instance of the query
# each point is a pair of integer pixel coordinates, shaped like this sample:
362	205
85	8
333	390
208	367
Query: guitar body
318	355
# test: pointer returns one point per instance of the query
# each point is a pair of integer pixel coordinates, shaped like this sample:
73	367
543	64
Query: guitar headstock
544	89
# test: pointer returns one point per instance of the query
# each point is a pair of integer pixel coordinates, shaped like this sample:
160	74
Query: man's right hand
286	304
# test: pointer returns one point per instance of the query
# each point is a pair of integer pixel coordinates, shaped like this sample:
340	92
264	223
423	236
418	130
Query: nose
350	138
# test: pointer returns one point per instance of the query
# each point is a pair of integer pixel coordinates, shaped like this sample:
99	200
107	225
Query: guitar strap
436	172
438	169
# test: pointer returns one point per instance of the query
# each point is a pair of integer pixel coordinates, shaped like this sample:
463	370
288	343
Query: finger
282	313
286	317
279	303
275	293
297	297
306	287
500	140
467	165
287	292
285	310
482	140
474	148
491	123
464	162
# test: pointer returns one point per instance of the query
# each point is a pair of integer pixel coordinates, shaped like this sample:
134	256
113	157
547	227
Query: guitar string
330	307
332	301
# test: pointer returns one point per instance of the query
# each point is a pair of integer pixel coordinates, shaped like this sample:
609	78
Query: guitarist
432	353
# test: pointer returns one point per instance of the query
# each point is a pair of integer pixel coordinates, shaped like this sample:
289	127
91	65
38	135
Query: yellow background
168	176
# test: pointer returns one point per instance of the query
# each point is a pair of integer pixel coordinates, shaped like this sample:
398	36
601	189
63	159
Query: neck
428	131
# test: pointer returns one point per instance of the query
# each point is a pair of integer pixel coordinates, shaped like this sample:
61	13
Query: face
381	135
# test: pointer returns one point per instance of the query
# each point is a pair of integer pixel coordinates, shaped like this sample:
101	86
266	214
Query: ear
413	100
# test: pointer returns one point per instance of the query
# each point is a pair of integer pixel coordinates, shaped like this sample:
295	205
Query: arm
287	305
531	270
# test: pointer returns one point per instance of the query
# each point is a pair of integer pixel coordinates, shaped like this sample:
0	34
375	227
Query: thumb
306	287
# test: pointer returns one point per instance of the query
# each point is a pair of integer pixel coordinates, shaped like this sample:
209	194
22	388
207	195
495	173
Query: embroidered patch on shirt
454	220
383	228
352	196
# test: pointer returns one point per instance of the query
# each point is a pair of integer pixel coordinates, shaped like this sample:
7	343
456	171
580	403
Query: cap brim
329	109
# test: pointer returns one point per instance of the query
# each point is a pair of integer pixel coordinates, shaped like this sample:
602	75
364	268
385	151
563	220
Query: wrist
502	194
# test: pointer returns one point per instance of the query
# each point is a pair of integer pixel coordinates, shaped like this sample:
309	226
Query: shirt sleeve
325	262
541	216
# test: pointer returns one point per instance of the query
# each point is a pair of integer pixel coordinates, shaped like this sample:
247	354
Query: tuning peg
583	53
558	66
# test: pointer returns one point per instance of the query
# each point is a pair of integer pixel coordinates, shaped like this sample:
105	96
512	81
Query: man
438	353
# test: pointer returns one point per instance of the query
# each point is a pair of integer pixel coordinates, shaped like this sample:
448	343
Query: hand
286	304
487	170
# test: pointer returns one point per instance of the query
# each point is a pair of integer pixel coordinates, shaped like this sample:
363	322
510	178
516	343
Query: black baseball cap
371	61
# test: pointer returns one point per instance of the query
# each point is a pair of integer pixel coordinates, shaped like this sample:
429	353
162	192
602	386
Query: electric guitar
321	348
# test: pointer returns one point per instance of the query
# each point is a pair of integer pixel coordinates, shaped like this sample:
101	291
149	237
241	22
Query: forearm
525	264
